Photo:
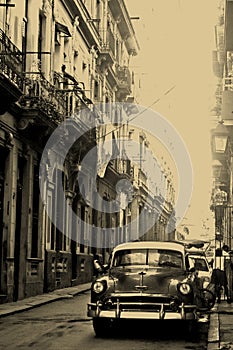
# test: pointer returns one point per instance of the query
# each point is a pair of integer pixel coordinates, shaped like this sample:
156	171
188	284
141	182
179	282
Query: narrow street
64	325
116	127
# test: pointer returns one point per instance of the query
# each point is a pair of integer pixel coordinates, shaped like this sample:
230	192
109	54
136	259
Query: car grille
141	302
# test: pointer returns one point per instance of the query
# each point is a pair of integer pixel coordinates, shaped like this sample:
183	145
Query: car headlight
184	288
98	287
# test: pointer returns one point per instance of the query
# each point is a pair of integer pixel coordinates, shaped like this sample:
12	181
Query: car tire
102	327
208	299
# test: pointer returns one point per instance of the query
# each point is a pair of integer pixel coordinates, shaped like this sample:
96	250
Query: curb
33	302
213	333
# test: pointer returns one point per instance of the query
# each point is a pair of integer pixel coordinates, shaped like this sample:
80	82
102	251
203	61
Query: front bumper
162	312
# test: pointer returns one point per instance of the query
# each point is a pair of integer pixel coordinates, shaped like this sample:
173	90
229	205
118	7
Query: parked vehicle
147	280
200	263
196	257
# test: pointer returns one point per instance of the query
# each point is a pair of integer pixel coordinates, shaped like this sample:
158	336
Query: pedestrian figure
97	266
219	279
197	286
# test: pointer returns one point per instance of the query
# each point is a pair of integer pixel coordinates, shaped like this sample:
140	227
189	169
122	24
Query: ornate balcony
46	105
73	93
119	10
124	81
228	83
44	98
106	56
11	81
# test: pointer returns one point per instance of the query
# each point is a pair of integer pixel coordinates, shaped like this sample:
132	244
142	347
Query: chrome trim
141	288
182	312
118	304
141	315
98	310
118	310
162	312
186	312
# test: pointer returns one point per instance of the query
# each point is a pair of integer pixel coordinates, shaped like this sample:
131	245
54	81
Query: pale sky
176	39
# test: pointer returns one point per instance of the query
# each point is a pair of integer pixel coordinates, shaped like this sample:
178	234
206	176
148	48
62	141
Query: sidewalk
32	302
220	334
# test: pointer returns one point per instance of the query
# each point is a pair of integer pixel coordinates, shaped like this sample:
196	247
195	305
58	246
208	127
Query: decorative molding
23	123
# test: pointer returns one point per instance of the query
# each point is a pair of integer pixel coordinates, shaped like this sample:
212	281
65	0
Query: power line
140	113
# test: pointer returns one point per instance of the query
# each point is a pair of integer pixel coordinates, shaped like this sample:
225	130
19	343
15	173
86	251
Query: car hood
155	280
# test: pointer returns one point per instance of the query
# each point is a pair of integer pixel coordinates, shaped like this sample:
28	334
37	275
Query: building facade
64	63
221	137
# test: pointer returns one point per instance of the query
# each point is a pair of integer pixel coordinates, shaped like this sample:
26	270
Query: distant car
196	258
200	263
145	281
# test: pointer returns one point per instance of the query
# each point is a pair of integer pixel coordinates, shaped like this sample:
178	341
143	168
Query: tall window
40	38
82	229
59	215
35	213
96	90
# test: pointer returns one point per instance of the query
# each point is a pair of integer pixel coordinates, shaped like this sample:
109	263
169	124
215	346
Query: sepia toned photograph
116	174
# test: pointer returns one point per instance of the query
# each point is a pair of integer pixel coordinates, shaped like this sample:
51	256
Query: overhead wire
138	114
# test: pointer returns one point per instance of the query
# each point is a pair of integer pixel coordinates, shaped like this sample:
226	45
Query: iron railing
124	76
10	61
107	41
42	95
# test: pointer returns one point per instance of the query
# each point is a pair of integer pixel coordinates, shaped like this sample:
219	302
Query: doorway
17	250
3	252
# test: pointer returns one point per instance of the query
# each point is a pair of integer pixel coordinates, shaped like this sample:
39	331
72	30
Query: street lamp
220	148
220	137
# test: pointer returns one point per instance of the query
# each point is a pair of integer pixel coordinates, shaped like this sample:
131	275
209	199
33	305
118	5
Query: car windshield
198	263
148	257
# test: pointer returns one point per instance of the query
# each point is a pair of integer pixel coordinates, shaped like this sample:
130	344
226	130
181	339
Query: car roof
151	245
197	245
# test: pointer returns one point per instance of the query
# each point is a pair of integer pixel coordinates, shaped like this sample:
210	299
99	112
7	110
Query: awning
61	28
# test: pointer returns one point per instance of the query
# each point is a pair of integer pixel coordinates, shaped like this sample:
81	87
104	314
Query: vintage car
145	281
200	263
196	258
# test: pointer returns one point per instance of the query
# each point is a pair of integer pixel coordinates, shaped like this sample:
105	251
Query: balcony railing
84	115
142	179
108	42
228	83
124	77
40	94
74	97
10	61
